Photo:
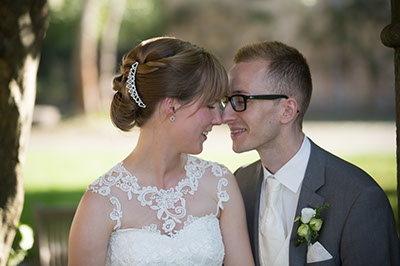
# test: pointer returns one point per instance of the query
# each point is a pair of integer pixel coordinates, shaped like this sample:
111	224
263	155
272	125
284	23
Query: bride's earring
172	117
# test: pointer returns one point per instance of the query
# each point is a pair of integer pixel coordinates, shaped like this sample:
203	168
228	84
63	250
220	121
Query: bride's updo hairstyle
168	67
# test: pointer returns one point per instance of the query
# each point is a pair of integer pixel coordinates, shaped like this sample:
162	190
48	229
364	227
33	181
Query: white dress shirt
291	177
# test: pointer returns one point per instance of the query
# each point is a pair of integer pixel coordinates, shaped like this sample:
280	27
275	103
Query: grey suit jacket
358	228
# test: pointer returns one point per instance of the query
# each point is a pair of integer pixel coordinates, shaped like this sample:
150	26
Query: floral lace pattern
199	244
169	204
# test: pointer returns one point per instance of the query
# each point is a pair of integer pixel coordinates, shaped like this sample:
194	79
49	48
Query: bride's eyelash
212	105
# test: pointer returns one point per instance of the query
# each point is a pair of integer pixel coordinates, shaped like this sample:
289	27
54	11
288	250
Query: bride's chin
195	151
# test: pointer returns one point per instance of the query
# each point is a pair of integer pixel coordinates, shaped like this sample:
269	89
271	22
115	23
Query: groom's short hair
287	70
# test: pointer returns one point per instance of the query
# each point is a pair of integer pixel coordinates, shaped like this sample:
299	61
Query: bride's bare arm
90	231
234	228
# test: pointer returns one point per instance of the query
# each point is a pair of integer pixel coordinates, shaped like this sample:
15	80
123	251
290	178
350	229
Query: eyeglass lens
238	102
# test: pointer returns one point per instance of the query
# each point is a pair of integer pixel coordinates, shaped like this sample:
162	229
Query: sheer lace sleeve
222	194
103	185
220	171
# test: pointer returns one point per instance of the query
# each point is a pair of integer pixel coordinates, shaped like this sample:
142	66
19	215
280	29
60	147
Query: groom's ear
290	110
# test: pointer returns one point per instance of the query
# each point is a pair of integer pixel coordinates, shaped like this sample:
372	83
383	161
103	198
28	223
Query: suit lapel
314	178
260	175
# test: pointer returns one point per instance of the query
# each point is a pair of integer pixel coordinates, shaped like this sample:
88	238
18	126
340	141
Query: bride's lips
237	132
205	133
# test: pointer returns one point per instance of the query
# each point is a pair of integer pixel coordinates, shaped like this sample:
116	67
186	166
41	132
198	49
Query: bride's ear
170	106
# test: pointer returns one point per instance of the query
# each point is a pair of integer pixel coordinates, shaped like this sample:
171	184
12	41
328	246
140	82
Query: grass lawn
58	167
59	177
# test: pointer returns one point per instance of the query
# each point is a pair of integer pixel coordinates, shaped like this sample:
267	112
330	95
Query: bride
162	206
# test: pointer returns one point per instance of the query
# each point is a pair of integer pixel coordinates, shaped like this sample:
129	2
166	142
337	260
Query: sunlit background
73	142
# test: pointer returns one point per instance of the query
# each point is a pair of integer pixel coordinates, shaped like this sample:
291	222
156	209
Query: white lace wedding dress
178	226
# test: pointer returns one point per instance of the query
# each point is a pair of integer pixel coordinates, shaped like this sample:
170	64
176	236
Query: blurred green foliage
56	80
340	40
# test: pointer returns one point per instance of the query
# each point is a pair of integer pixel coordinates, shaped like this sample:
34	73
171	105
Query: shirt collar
291	175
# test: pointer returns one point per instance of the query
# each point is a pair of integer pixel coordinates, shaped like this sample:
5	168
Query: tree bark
21	33
390	37
109	49
88	87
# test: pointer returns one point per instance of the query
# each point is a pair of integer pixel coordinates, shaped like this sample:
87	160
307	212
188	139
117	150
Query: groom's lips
236	132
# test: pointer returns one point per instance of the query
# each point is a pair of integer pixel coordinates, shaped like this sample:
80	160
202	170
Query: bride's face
192	124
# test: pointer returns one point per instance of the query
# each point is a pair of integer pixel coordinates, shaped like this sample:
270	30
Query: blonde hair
168	67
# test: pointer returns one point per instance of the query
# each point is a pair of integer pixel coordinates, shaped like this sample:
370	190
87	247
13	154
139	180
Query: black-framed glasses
239	101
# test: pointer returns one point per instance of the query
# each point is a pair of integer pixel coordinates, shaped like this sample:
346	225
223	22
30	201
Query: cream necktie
272	230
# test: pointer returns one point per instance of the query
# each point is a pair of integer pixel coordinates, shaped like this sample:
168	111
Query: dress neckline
170	204
139	187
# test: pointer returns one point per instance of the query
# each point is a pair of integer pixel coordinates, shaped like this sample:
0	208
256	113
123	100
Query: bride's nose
217	119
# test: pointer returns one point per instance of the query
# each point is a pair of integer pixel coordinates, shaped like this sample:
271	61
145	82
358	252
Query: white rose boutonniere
307	214
310	223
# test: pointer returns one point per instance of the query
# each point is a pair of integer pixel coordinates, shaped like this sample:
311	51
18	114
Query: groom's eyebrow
238	91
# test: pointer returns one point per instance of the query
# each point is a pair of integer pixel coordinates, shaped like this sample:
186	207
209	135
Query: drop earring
172	117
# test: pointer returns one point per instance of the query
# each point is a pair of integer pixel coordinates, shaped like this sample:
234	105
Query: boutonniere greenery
310	223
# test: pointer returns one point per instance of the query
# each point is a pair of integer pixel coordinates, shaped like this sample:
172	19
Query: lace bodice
178	226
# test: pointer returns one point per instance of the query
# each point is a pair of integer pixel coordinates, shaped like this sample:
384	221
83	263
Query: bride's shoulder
217	169
103	184
99	193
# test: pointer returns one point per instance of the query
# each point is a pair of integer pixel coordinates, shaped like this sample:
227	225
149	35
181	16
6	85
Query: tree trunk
390	37
88	87
109	49
21	33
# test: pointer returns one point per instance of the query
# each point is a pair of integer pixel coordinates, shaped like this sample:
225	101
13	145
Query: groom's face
258	126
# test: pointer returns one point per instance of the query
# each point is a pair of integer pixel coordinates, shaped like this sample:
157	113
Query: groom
270	90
